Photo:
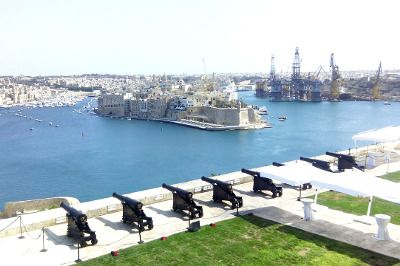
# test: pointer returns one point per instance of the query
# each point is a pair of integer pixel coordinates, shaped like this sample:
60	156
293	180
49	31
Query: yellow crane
376	95
335	80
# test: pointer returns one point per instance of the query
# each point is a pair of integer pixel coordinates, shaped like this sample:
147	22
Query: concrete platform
113	234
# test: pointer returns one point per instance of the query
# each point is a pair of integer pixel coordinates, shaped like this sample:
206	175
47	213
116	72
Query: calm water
90	157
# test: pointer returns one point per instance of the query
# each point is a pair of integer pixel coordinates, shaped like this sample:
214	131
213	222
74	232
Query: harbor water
67	151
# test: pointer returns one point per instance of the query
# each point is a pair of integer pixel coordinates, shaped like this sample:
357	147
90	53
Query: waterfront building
212	108
111	104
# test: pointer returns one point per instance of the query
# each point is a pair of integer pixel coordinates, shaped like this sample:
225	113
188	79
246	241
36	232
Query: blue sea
89	157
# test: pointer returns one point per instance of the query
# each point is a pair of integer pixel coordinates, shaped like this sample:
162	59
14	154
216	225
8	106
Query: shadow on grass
257	221
364	255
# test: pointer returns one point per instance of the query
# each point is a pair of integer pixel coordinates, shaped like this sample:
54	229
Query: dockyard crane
272	75
376	95
316	73
208	85
335	79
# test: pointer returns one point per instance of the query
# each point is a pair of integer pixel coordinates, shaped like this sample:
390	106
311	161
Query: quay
105	218
215	127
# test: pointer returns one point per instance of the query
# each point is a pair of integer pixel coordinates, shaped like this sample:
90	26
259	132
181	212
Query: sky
63	37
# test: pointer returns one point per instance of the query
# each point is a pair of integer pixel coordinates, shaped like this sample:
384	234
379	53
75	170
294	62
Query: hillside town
202	101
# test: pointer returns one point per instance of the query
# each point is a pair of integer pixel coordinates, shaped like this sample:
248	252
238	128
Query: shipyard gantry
295	88
308	88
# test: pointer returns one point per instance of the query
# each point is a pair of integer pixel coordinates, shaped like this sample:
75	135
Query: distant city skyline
54	37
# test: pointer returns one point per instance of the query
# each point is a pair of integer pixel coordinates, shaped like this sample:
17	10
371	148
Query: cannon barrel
250	172
324	165
78	216
129	201
277	164
338	155
345	161
221	184
183	193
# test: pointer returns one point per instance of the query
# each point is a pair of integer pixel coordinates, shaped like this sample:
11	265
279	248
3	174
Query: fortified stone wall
34	221
225	116
111	111
252	116
112	105
12	209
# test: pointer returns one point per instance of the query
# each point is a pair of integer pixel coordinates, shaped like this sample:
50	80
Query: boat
262	111
282	118
386	103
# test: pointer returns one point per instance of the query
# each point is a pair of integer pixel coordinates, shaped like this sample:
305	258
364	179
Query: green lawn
358	206
395	176
246	240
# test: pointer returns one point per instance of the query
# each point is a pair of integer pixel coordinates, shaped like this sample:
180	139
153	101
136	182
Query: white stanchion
382	221
308	212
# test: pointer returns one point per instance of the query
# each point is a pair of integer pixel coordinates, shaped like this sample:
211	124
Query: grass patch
395	176
357	205
246	240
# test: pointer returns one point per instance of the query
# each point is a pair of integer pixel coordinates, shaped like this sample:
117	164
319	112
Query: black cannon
323	165
223	191
345	161
304	186
78	226
183	200
263	183
132	212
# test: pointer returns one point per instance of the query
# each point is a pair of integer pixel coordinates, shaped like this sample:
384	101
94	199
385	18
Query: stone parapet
96	208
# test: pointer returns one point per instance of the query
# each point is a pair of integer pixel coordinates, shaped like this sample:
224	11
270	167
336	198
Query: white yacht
263	110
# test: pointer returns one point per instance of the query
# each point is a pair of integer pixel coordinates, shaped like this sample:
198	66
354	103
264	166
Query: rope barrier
28	232
46	232
10	224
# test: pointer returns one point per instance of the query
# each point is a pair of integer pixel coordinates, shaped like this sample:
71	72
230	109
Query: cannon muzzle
250	172
78	216
337	155
183	193
219	183
129	201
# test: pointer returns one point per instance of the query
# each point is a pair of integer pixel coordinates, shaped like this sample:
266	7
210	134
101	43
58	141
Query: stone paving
113	234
